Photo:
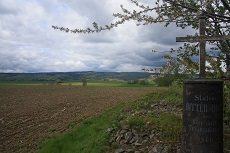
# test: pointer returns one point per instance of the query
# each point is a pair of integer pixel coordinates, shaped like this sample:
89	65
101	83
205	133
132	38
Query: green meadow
107	83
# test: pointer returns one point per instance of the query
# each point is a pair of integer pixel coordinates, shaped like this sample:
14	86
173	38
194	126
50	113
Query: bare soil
28	112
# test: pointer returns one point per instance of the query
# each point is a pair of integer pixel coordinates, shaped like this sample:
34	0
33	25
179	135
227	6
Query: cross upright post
202	59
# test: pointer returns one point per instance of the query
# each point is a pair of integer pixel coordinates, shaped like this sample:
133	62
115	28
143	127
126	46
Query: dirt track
28	112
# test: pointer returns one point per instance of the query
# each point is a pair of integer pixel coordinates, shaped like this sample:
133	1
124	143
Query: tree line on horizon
64	76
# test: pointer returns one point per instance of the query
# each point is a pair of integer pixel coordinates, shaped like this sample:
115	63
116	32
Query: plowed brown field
27	112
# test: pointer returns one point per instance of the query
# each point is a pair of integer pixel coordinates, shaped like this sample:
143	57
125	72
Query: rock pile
135	140
165	107
143	136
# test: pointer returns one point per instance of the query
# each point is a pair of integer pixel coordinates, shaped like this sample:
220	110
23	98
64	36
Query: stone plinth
202	116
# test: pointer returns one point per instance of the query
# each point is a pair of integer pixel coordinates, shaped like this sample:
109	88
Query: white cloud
29	44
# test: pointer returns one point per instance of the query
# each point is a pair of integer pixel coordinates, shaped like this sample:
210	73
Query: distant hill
64	76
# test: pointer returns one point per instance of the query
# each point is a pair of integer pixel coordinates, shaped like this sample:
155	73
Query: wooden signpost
202	130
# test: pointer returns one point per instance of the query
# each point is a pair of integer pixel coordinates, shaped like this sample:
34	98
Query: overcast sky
29	44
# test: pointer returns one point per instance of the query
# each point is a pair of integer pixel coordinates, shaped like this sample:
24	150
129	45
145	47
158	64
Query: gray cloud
162	35
7	7
29	44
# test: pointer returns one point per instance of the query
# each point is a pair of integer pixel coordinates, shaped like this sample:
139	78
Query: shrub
133	82
144	82
140	82
164	81
84	82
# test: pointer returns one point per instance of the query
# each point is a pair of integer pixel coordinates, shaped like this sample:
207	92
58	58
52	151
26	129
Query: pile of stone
165	107
145	138
135	140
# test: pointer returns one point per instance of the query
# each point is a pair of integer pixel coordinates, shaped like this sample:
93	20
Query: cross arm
202	38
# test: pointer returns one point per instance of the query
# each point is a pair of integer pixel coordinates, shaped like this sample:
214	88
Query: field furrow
28	111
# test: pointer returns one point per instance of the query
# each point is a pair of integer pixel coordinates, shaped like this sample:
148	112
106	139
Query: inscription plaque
202	116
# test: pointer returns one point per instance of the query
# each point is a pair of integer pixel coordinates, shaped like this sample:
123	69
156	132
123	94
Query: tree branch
226	5
221	17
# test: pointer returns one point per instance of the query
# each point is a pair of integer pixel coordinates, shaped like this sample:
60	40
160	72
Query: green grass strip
89	137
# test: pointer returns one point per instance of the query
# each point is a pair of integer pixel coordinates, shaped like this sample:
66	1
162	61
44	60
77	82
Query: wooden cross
202	39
